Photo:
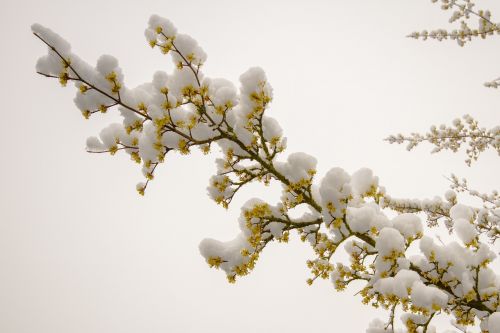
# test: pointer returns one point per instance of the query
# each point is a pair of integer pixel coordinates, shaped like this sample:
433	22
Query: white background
80	251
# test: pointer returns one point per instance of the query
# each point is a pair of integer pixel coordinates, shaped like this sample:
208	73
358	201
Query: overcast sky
80	251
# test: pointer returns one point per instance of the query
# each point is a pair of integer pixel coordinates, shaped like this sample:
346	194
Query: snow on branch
466	131
462	11
186	109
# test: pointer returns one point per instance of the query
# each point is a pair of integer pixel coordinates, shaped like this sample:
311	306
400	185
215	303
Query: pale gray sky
80	251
